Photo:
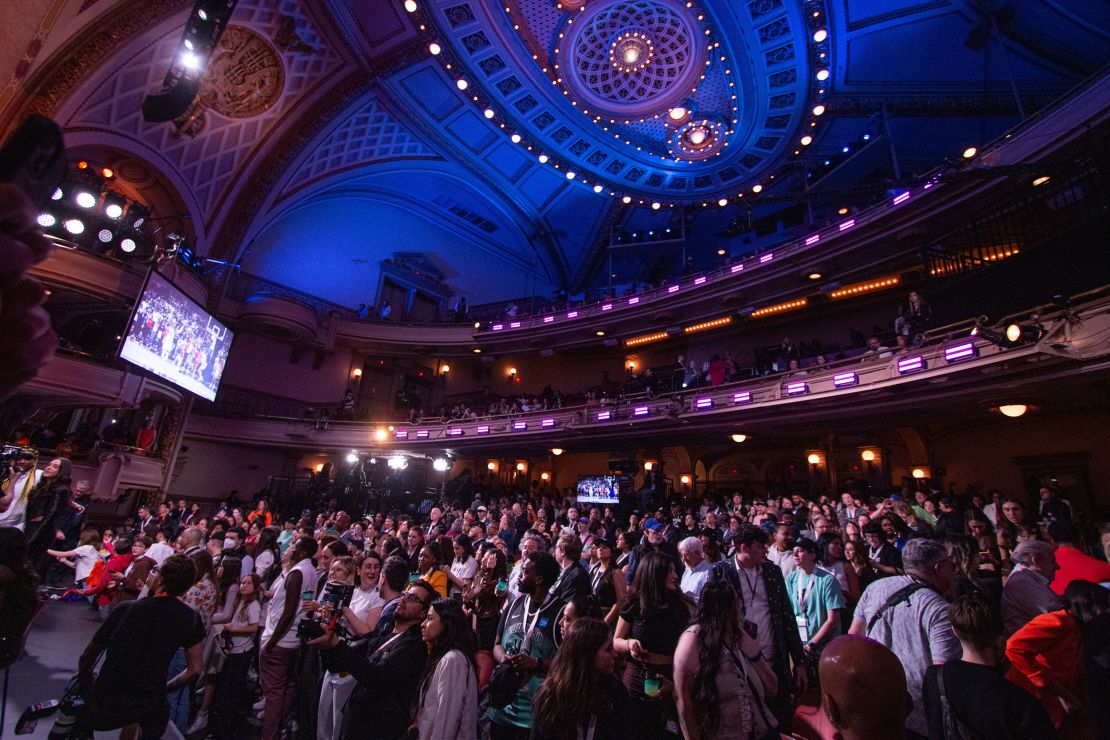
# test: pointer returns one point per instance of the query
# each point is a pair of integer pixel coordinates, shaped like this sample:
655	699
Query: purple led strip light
811	240
572	315
514	325
742	397
704	403
454	432
633	300
963	351
796	388
422	434
672	289
763	259
548	319
901	198
547	423
498	327
520	426
738	267
843	380
483	429
845	225
607	307
911	364
604	415
640	411
700	280
401	434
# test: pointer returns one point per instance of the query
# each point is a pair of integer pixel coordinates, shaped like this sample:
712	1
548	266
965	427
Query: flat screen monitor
599	489
173	337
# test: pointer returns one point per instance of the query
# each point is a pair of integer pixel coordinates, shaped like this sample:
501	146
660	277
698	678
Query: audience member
1072	563
863	689
816	598
448	706
1027	592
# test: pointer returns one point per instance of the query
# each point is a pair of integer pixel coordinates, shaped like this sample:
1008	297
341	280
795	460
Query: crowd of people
520	614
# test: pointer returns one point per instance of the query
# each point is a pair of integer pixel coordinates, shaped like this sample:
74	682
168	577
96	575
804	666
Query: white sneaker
199	723
259	705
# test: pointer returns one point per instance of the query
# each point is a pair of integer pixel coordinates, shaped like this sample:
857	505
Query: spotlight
820	35
598	188
188	44
599	333
570	175
1041	180
822	74
488	113
477	324
1027	334
815	275
757	188
410	6
434	48
104	235
556	451
677	113
542	159
352	458
75	226
722	202
807	140
462	84
440	464
818	110
656	206
398	462
57	195
190	61
970	152
128	245
626	199
46	220
107	173
515	138
85	199
445	369
113	210
380	434
868	455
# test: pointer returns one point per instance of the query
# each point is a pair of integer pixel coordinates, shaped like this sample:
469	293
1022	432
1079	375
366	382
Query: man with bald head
189	541
863	689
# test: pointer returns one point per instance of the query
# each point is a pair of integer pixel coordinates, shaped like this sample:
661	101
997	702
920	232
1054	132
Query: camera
11	454
333	600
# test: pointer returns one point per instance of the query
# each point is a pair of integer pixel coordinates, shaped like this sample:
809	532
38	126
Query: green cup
651	687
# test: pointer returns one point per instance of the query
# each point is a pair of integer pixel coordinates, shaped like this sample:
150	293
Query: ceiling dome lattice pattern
633	58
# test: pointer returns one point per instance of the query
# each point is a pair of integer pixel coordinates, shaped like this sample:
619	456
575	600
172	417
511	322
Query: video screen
173	337
599	489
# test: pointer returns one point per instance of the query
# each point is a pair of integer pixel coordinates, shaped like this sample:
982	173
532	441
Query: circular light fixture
491	465
434	48
520	467
462	84
515	138
698	136
107	173
556	451
113	210
46	220
815	275
380	435
656	206
476	351
542	158
1013	410
1013	332
918	473
757	188
738	438
189	60
721	253
807	140
822	74
477	324
488	113
678	113
104	235
1041	180
352	457
722	202
86	200
970	152
626	199
599	333
820	35
75	226
410	6
843	210
545	476
598	188
684	480
818	110
868	455
570	174
813	459
57	194
440	464
445	369
128	245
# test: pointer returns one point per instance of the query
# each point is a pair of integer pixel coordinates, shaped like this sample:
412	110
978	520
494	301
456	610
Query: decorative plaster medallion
244	77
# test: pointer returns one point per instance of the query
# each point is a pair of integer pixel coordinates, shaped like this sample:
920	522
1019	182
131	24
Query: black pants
231	685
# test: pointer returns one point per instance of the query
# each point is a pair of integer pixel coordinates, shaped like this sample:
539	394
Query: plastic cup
651	687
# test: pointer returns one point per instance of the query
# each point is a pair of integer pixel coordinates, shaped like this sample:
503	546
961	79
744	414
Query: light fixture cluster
87	211
866	287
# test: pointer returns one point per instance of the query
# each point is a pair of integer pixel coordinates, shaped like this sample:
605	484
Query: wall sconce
921	472
512	373
491	465
356	374
444	369
320	468
738	438
545	476
648	465
684	480
631	366
556	451
521	466
868	456
815	458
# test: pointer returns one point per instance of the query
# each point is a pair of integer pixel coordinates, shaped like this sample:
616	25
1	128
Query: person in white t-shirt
781	551
13	494
463	568
84	556
279	643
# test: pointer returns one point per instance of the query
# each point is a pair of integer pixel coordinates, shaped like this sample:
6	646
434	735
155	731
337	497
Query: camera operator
387	671
18	481
140	637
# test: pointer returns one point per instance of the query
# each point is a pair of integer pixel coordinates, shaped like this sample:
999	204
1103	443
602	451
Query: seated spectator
139	639
971	696
1027	593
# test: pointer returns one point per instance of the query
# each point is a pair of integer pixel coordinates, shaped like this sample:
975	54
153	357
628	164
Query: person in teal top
526	638
816	598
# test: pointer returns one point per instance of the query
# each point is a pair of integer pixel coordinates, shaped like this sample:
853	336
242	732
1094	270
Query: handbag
504	683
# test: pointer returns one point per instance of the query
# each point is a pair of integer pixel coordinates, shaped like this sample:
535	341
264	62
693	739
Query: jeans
277	670
179	700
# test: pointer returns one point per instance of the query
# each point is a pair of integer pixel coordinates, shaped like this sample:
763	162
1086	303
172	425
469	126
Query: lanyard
529	627
753	583
804	595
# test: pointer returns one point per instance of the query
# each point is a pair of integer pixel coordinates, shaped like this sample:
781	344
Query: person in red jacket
1074	564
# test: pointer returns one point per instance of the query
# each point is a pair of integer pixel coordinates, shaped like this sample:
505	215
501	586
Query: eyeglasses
410	596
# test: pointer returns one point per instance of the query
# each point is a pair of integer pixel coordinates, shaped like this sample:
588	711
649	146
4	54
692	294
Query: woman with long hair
1046	655
624	549
652	618
830	558
856	560
482	602
448	706
463	567
227	578
267	558
607	582
718	664
17	593
45	503
979	528
581	697
1014	527
238	635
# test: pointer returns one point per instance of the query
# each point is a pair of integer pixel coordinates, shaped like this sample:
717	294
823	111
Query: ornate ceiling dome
633	58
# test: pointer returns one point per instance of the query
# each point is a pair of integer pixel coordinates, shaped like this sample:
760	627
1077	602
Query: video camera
334	599
11	454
